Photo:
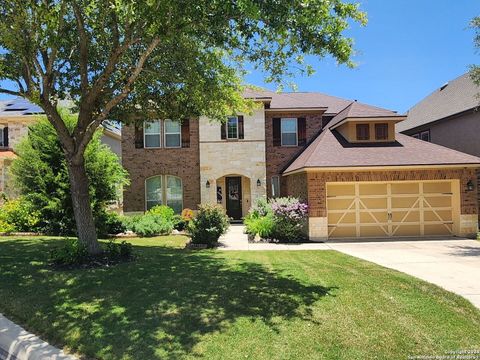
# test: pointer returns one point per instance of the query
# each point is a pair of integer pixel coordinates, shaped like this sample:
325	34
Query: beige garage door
371	209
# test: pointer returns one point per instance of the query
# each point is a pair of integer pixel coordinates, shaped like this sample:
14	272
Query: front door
234	197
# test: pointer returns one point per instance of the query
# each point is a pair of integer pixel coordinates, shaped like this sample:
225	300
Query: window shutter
240	127
223	131
186	133
139	136
277	136
5	136
302	131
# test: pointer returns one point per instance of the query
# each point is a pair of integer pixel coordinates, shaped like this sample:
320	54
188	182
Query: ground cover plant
172	303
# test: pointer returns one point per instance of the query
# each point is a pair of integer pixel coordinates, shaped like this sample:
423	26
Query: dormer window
381	131
363	132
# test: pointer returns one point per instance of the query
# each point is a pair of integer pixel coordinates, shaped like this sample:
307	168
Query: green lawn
172	303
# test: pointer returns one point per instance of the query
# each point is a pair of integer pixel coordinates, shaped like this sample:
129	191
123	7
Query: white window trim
159	136
226	128
146	193
289	132
163	200
166	182
171	133
277	178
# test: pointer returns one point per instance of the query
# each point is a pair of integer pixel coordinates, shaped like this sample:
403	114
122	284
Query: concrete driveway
452	264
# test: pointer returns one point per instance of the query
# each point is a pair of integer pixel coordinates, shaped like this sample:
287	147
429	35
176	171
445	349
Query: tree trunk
82	209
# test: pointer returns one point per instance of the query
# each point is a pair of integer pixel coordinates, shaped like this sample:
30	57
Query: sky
408	49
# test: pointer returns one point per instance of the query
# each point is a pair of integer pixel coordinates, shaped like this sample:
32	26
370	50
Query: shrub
74	254
148	225
263	225
18	215
208	225
290	217
109	223
163	211
181	221
40	174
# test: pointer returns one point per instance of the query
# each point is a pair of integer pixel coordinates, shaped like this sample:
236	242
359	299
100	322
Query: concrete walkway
18	344
236	239
453	264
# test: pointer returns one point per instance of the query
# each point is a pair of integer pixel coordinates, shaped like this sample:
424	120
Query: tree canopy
129	59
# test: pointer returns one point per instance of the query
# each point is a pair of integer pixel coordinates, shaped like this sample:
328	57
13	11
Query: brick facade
143	163
316	184
278	157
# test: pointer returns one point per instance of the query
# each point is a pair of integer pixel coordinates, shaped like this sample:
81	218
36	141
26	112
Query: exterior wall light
470	185
207	185
259	183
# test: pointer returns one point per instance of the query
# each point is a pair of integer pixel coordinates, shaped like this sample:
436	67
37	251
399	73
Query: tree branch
10	92
83	42
118	98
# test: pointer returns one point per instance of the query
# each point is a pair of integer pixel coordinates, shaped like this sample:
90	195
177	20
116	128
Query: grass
173	304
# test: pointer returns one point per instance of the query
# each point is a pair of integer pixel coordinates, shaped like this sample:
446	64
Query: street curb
18	344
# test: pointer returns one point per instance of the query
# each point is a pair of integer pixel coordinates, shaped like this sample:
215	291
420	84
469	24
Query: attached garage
392	209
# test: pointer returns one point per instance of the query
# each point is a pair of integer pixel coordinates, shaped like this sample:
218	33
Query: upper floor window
164	189
381	131
232	127
363	132
3	136
152	134
173	134
289	133
423	135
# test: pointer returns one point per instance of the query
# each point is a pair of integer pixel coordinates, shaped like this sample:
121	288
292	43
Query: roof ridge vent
443	86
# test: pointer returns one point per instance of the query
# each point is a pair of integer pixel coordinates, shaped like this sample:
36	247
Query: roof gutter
379	168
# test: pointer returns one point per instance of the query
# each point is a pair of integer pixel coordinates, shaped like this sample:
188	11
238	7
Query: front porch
234	192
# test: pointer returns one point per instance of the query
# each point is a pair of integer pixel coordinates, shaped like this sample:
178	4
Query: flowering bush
290	217
281	219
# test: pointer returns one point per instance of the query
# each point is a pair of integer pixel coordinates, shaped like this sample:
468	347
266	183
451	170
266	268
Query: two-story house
359	177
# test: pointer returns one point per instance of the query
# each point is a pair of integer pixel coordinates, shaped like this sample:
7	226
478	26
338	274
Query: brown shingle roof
455	97
299	100
359	110
330	149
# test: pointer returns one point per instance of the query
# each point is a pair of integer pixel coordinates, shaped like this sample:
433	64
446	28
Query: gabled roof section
452	98
331	150
359	110
19	107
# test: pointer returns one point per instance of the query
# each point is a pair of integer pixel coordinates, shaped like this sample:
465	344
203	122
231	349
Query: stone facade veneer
233	157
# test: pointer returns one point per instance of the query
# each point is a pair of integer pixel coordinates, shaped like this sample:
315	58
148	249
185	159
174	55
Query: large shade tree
126	59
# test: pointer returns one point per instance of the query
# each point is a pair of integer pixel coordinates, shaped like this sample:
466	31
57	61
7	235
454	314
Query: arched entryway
233	192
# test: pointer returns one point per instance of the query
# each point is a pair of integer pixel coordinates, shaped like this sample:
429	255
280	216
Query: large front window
232	127
154	191
152	134
172	134
164	189
289	132
174	193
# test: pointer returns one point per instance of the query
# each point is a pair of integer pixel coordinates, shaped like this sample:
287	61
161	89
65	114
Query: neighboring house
449	116
15	117
359	178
